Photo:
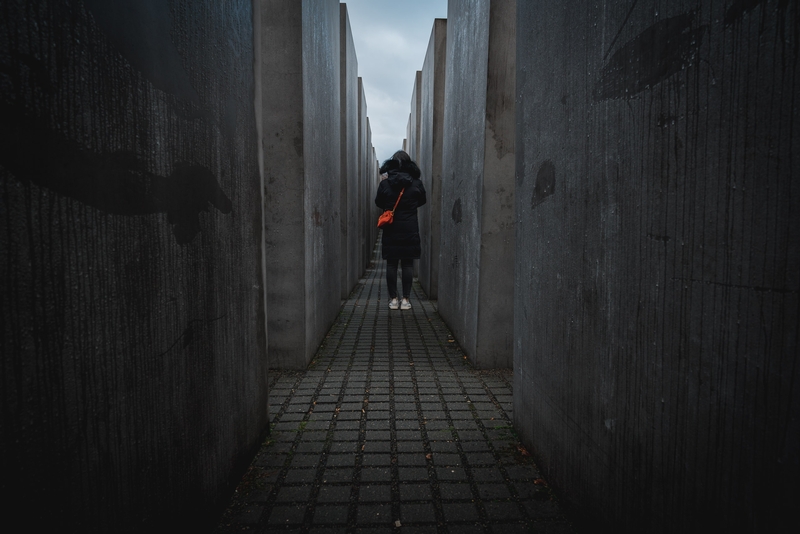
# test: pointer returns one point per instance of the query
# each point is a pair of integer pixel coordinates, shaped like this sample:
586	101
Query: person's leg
408	277
391	277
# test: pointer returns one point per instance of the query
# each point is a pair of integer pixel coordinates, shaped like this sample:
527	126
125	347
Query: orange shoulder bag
387	217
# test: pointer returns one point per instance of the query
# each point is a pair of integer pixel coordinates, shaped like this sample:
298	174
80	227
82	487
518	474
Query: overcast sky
391	38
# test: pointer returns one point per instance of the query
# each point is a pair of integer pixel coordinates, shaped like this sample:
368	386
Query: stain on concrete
456	213
545	183
656	237
738	9
141	30
117	182
659	52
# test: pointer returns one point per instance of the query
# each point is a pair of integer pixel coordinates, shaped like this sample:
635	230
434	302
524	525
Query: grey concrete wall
414	118
133	345
477	229
430	155
371	222
363	166
301	131
374	180
350	192
658	231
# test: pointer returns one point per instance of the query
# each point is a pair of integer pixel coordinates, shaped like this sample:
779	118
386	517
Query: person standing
400	240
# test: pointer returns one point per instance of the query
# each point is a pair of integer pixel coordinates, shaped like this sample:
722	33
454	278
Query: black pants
391	276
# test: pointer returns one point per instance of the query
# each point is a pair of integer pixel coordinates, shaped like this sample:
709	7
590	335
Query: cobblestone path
391	430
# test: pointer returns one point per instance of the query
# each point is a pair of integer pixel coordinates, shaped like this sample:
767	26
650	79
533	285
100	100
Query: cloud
391	39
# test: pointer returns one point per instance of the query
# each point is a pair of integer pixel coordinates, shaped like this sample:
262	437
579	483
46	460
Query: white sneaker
405	304
393	304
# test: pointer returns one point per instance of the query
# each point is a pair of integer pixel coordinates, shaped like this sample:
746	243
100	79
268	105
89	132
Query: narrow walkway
391	430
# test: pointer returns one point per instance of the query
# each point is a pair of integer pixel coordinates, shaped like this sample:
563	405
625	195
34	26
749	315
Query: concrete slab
430	155
132	310
301	129
658	232
477	226
414	118
363	166
350	194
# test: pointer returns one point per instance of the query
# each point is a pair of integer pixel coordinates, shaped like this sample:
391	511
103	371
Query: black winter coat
401	238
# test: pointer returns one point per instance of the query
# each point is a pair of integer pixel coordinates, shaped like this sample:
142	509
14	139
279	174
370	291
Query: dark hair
400	161
401	156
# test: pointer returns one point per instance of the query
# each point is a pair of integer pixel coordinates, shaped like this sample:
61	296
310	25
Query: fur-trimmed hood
400	175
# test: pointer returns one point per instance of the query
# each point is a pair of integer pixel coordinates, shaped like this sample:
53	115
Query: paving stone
345	435
410	446
375	493
493	491
454	512
293	494
377	446
330	514
415	492
444	446
300	476
327	494
341	460
305	460
417	513
375	514
318	425
377	460
337	475
446	459
287	514
342	425
419	529
510	528
409	460
409	435
465	529
502	511
376	474
412	473
349	447
455	491
487	474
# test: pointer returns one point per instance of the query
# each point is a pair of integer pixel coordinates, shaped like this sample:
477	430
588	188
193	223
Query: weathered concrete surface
658	231
370	177
363	172
414	120
300	117
134	378
477	227
350	192
414	117
430	155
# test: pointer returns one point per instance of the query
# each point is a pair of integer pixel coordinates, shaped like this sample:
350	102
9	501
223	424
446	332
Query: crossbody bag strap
398	199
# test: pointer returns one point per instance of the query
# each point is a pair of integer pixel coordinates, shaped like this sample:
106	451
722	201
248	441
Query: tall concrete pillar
363	166
374	181
477	227
430	155
369	178
350	193
658	260
302	165
414	118
133	363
